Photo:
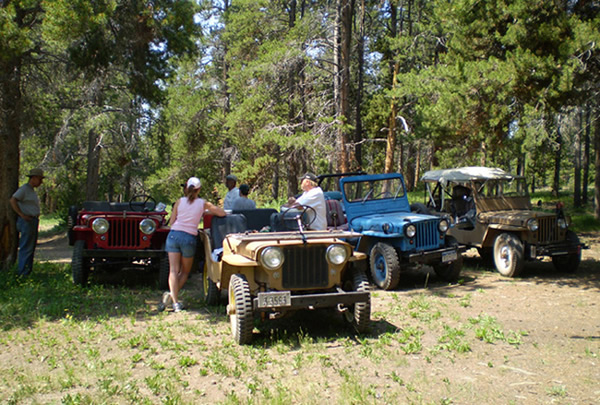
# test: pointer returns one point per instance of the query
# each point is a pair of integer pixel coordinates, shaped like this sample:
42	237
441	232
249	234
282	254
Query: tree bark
597	165
586	158
390	146
344	28
11	111
577	163
557	158
93	166
358	137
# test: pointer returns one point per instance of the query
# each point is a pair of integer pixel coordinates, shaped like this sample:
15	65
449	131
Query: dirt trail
54	248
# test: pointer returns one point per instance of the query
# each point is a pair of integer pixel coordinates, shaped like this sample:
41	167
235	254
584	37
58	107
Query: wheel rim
233	319
505	257
380	271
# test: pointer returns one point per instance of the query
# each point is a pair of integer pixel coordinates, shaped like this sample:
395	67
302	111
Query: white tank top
188	215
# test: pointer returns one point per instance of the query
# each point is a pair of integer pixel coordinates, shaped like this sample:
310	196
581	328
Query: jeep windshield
370	190
504	188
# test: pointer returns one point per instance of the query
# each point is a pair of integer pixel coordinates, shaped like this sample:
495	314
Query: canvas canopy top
465	174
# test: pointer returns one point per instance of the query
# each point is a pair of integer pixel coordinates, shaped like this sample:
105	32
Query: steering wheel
305	217
139	201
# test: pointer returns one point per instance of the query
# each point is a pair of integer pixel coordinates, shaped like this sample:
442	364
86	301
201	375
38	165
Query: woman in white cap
181	241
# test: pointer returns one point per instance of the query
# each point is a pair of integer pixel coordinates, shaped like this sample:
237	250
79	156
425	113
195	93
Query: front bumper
556	249
433	256
120	254
319	300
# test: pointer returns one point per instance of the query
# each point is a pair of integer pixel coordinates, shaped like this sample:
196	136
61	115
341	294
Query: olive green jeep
491	211
268	274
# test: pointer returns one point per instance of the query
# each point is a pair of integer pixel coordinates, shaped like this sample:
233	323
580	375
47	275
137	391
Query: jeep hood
391	224
515	218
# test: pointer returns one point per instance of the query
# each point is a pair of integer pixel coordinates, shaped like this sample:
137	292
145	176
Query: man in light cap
26	204
312	197
233	193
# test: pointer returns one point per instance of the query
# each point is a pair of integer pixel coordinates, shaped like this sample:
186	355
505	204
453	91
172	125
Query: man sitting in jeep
312	198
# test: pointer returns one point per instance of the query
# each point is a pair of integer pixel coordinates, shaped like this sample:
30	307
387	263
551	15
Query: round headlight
336	254
100	226
271	258
562	223
533	225
147	226
443	226
410	231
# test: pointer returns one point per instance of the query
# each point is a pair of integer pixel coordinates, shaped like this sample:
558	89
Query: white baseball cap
194	182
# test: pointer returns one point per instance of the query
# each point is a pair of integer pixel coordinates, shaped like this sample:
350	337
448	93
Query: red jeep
112	235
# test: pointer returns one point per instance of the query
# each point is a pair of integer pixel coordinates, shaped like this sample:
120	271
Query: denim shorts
181	242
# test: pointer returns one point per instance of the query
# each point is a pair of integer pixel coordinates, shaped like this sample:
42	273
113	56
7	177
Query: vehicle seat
336	218
222	226
119	206
96	206
463	207
461	200
258	218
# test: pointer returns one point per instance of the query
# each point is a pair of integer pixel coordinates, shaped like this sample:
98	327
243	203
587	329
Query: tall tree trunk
557	158
586	157
344	28
577	162
391	137
358	137
390	146
597	163
93	165
11	115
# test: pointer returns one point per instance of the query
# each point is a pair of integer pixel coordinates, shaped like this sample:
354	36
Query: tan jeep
268	274
491	210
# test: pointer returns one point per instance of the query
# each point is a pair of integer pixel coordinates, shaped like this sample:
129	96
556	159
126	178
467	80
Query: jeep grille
305	267
123	232
428	235
548	230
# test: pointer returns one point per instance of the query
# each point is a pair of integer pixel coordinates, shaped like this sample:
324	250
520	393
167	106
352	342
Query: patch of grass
585	223
557	391
48	294
453	339
52	224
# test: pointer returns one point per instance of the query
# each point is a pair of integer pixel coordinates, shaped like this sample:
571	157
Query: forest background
120	97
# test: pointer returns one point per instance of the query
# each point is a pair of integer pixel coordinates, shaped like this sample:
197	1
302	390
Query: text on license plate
448	256
274	299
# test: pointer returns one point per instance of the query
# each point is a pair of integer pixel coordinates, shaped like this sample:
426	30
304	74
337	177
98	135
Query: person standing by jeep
233	194
181	241
26	204
244	203
312	197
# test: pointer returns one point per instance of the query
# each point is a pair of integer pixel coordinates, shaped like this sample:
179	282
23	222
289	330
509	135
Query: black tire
385	266
359	314
79	265
239	309
450	271
508	255
163	272
486	254
569	263
419	208
210	291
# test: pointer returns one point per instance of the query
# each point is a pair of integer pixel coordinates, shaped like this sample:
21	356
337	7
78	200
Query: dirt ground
554	317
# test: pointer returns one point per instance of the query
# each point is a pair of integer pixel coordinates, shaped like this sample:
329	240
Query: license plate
274	299
449	256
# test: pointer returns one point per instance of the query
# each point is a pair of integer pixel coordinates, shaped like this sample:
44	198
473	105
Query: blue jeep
377	206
